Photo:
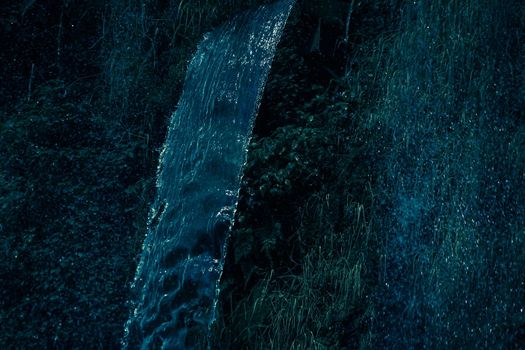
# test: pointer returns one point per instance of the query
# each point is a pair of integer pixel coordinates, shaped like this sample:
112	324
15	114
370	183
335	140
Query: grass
323	304
449	113
436	103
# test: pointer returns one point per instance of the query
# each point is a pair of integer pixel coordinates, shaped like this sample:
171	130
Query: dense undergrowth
426	249
452	216
87	89
382	203
301	259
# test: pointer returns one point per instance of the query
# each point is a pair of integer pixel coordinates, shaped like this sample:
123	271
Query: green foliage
445	121
68	189
87	90
294	276
286	167
431	115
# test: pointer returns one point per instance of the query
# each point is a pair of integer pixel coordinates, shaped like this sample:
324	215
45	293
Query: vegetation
382	202
449	112
301	259
430	107
87	88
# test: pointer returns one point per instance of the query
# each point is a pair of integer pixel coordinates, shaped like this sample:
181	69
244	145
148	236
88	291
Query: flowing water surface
198	182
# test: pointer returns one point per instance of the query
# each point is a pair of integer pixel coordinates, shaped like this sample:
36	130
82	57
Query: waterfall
198	182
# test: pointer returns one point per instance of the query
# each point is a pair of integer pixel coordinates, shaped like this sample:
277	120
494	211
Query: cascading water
198	182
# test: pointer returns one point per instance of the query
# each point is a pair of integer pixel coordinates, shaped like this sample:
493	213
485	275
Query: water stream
198	182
